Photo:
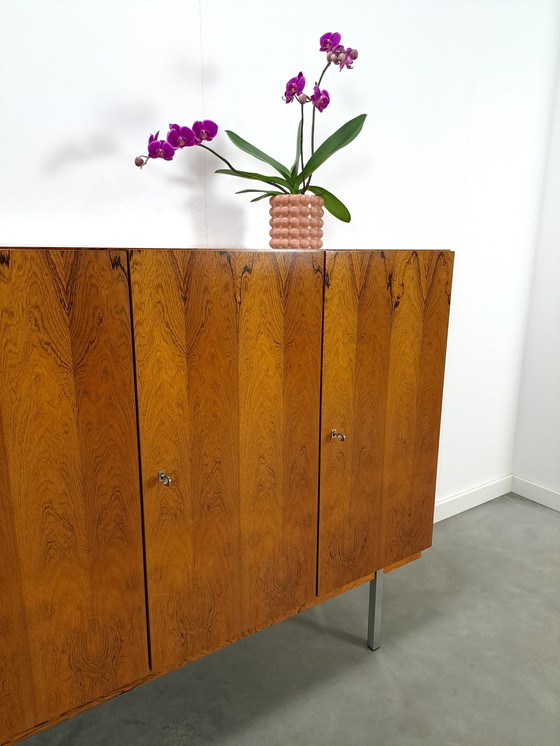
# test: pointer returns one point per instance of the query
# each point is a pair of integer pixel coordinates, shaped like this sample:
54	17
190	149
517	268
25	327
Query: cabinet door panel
385	334
228	350
72	616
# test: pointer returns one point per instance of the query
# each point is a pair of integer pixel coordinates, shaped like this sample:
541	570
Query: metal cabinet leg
374	619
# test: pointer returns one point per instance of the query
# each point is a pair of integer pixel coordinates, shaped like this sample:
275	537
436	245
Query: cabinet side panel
75	607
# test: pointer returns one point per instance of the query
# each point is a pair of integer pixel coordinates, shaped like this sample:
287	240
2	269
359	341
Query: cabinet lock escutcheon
337	436
164	478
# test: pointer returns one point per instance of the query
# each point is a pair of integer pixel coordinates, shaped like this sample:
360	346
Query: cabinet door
72	610
228	350
385	335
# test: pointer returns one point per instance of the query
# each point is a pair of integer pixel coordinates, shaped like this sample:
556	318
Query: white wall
536	464
458	95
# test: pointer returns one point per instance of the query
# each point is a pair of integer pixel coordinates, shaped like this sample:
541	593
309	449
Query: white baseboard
535	492
471	498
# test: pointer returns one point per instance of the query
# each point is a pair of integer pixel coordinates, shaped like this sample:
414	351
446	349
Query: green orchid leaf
298	151
275	181
336	141
264	191
256	153
263	196
332	203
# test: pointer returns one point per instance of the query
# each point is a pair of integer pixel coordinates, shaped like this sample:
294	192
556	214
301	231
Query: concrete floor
470	656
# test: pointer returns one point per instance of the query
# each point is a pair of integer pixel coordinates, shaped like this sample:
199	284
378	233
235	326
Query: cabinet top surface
229	250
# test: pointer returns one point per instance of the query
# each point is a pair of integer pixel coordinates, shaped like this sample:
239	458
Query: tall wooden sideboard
195	444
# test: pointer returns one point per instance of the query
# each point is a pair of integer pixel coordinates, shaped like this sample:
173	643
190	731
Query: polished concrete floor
470	656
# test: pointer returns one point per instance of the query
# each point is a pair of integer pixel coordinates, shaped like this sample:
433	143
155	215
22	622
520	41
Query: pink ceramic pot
296	221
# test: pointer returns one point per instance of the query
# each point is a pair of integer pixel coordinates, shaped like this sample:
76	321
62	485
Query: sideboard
195	444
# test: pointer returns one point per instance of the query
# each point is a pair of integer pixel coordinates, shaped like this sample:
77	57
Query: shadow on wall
226	216
219	218
86	148
210	218
102	142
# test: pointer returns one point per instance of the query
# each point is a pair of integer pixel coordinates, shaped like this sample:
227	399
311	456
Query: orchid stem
312	138
313	124
200	145
324	71
301	144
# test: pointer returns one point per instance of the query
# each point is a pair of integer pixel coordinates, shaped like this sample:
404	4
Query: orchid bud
354	54
302	98
341	57
139	161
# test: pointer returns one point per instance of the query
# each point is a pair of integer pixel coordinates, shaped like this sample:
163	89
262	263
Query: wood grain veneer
244	363
72	616
228	350
385	334
161	672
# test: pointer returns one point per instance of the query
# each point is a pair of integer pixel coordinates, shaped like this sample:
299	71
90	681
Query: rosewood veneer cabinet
196	444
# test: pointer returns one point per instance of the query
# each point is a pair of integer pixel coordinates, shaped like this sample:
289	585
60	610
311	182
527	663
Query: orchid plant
294	180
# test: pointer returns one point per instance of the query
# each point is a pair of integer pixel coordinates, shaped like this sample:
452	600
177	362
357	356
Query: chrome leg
374	619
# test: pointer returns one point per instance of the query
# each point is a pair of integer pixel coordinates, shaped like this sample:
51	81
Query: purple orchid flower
329	41
204	131
320	99
294	88
180	137
160	148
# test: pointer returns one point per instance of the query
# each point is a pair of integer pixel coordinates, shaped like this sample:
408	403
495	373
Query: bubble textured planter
296	221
